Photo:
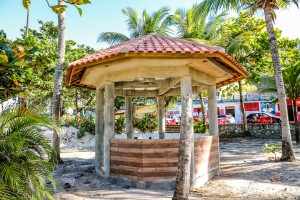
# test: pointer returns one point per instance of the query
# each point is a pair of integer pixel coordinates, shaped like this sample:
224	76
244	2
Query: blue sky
105	15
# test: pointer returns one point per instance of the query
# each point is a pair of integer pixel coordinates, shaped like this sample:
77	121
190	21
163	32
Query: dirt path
247	173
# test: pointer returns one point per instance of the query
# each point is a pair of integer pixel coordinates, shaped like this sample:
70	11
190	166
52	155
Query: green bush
199	127
87	125
135	121
26	156
120	124
83	125
147	124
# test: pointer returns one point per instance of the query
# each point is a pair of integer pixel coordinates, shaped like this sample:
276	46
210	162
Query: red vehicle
222	119
261	117
171	120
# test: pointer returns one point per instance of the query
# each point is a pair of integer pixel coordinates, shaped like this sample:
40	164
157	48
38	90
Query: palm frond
208	7
132	21
25	155
213	24
112	38
291	77
158	23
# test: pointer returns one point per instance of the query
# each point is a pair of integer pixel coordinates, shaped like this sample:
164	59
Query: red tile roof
150	44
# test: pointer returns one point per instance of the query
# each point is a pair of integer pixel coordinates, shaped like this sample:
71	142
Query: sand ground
247	172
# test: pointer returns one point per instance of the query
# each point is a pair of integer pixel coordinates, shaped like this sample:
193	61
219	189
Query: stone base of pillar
161	136
204	179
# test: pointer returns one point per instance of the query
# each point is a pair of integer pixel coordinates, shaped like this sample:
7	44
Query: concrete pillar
161	117
99	131
212	110
128	117
185	168
109	123
213	116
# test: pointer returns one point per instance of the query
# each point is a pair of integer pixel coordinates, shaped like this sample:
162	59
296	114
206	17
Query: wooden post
186	141
212	110
161	117
99	132
109	123
128	117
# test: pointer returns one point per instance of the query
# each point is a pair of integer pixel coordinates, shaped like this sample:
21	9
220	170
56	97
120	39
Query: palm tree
268	7
158	22
196	28
58	81
26	157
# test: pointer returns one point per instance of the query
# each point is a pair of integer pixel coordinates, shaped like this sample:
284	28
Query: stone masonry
269	131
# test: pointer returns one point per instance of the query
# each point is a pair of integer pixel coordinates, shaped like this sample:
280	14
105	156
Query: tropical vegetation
196	28
158	22
26	156
32	69
291	77
268	7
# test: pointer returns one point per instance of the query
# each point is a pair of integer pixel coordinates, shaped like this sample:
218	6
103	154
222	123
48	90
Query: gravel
246	173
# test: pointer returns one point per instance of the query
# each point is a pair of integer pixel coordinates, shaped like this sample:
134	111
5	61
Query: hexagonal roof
154	45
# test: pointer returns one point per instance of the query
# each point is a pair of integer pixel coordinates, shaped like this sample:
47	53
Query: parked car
230	119
222	119
260	117
172	120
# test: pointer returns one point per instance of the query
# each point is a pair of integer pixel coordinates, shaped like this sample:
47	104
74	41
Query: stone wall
270	131
68	138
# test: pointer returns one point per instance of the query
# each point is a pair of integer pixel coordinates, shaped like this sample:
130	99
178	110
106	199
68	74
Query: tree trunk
245	124
186	141
296	123
27	23
202	110
287	148
59	80
76	106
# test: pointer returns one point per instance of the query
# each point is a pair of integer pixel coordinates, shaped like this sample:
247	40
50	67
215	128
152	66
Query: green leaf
20	64
2	34
79	10
3	59
26	4
58	8
5	47
33	50
81	2
12	61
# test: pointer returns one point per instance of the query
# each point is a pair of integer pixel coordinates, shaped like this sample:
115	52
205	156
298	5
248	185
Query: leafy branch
60	8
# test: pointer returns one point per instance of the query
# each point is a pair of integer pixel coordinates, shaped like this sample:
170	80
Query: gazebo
155	66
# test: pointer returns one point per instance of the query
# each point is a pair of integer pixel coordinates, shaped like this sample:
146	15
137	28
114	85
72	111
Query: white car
230	119
171	119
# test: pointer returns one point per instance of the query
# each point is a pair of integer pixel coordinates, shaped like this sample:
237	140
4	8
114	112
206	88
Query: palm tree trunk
27	23
245	124
296	123
59	80
202	110
287	148
186	142
22	101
